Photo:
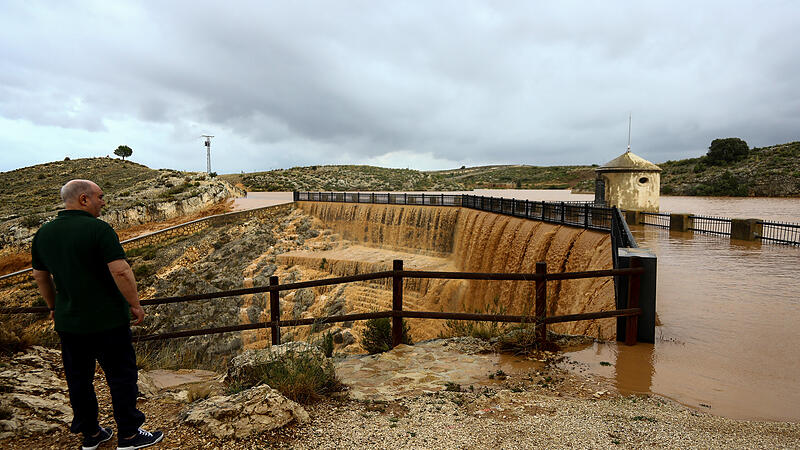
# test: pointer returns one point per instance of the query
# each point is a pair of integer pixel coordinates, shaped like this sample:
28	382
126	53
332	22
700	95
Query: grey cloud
310	83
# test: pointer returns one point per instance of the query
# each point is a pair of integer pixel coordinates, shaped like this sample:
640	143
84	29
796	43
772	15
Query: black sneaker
92	442
142	439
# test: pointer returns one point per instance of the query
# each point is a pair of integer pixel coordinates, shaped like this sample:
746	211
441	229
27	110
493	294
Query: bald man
80	268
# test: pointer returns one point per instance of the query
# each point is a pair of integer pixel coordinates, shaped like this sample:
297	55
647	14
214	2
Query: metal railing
397	313
711	225
655	219
780	232
587	215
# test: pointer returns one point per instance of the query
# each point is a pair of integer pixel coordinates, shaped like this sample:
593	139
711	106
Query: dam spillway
458	239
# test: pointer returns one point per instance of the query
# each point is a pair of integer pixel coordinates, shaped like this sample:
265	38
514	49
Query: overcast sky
417	84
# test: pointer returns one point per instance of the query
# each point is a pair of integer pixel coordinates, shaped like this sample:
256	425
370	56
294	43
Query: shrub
723	151
15	337
523	339
30	221
480	330
142	270
726	184
301	376
327	344
378	335
147	252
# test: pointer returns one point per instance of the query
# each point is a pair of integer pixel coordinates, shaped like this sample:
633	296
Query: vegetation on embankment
31	195
769	171
369	178
35	189
764	172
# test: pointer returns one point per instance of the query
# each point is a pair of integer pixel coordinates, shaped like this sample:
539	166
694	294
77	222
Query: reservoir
727	340
729	313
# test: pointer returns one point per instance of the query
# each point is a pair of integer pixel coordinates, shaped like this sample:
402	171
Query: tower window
643	180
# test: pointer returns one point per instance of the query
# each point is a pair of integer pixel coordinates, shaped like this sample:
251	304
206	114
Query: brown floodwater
729	314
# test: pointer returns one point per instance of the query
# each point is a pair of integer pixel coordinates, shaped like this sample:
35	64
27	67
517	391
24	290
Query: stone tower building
629	182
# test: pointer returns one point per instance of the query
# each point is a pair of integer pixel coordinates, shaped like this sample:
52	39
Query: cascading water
458	239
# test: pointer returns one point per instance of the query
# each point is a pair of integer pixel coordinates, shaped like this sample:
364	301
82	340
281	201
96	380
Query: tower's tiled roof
629	161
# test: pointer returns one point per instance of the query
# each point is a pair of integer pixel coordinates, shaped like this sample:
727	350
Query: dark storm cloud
300	83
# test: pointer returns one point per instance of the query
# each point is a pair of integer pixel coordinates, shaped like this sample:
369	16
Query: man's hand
138	315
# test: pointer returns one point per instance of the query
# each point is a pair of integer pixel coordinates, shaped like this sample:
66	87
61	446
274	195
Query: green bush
378	335
726	184
327	344
728	150
30	221
147	252
301	376
142	270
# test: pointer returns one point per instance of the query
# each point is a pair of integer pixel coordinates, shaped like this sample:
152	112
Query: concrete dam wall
450	239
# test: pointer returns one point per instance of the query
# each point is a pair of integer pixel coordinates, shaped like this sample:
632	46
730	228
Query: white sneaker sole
98	444
135	447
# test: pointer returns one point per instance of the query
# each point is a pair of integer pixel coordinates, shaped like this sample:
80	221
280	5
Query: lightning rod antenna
629	132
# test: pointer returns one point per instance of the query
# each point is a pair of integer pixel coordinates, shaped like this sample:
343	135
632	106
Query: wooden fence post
632	322
541	301
397	303
275	311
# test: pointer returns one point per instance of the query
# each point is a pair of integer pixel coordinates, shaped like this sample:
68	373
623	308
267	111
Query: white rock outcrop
245	414
33	397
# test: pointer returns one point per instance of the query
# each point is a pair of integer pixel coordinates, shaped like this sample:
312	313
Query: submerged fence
629	314
711	224
780	232
743	229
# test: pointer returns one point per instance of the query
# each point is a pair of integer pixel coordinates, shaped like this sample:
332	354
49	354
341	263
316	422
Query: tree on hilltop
727	150
124	151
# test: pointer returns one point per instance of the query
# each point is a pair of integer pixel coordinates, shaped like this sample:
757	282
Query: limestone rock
244	414
147	387
33	396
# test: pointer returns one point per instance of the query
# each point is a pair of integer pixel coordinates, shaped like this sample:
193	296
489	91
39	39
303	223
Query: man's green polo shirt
76	248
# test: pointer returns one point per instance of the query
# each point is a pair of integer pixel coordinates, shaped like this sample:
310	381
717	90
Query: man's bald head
84	195
71	191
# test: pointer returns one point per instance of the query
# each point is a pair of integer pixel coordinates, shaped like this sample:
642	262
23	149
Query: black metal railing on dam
747	229
587	215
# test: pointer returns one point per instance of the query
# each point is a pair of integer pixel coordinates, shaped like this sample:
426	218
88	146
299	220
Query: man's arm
46	288
126	283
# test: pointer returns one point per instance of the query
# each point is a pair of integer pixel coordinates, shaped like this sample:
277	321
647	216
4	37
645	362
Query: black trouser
114	351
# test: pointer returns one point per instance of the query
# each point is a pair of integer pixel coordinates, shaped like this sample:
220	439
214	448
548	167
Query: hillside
524	177
369	178
134	194
769	172
34	190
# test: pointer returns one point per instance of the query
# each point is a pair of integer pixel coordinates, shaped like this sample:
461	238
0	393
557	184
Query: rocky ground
543	407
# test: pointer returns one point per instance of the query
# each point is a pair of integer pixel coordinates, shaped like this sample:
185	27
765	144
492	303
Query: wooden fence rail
397	313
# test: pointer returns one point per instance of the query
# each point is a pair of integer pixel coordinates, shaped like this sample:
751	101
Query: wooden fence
397	313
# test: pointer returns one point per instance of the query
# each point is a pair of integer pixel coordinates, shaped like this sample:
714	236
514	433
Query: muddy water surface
728	342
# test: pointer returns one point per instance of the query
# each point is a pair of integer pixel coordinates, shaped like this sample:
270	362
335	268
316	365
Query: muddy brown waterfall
458	239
